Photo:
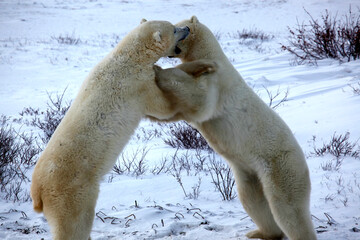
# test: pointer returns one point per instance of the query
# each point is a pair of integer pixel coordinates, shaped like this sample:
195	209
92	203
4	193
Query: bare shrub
118	167
67	39
356	88
255	34
180	163
195	190
183	136
162	167
18	153
218	35
222	178
327	38
46	120
253	39
339	146
274	99
147	134
332	165
199	165
175	171
133	163
185	161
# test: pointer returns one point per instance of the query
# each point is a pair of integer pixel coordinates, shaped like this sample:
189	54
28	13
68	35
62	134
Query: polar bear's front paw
198	67
260	235
172	79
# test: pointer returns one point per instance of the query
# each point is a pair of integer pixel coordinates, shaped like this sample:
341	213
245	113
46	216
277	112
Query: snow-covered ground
320	104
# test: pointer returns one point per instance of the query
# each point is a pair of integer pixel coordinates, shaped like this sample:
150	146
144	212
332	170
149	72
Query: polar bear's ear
157	36
143	20
194	19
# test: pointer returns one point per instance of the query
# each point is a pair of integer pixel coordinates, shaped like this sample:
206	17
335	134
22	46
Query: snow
320	103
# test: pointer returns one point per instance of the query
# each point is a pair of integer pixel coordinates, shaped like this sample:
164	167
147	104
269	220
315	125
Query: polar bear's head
182	48
200	44
161	37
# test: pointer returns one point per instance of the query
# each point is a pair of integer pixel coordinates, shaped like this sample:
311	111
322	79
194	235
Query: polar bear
115	96
270	170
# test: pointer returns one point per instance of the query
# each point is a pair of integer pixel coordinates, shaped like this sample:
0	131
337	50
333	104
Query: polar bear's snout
181	33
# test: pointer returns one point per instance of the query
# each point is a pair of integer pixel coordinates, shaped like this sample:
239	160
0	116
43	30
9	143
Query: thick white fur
271	174
191	88
118	92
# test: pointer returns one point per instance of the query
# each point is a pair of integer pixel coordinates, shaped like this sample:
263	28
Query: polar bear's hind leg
76	218
253	200
289	198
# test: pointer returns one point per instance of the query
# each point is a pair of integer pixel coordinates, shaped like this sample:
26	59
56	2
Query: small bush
18	152
67	39
146	134
178	164
332	165
253	34
162	167
132	164
199	165
327	38
222	178
339	146
195	190
275	100
218	35
253	39
184	136
356	88
176	168
48	120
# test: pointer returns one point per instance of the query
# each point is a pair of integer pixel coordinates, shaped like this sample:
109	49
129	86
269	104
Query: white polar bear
118	92
271	173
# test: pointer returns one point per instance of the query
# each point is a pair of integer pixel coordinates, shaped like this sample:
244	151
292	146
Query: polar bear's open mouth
177	50
181	34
